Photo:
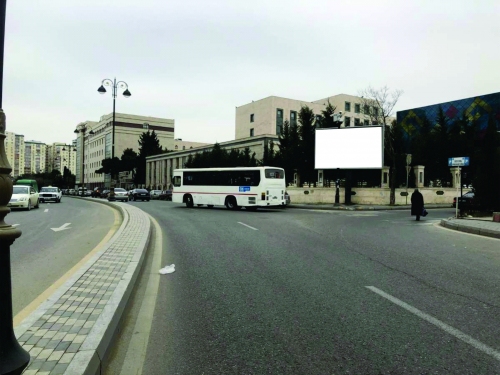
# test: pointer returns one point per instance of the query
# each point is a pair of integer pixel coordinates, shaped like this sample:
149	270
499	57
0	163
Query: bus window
274	173
177	181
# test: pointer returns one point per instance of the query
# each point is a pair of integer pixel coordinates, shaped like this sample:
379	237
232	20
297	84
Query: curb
119	253
468	229
358	208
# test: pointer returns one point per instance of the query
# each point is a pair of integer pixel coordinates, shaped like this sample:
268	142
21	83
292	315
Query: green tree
149	145
110	166
129	160
487	172
306	132
327	120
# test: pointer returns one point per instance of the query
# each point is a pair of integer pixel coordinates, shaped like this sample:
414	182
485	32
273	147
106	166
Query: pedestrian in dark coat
417	204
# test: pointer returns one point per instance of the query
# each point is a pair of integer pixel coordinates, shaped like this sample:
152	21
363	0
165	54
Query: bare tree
378	104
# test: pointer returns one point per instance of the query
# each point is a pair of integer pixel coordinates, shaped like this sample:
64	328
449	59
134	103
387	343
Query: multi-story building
98	146
60	156
267	116
17	154
257	124
34	157
10	146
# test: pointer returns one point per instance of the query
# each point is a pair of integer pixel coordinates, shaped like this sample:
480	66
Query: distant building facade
98	146
35	154
14	148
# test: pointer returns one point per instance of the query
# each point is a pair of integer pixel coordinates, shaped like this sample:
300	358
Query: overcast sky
196	60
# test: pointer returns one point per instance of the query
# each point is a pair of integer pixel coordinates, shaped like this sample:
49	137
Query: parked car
71	192
24	197
466	202
119	194
50	193
287	198
155	194
166	195
140	194
105	193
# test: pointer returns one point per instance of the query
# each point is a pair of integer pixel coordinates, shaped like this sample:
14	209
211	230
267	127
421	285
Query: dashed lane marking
246	225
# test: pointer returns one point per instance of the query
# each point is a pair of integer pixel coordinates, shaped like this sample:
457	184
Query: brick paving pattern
55	338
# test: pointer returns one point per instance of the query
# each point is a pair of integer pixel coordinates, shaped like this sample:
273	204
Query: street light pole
114	89
408	162
82	128
13	358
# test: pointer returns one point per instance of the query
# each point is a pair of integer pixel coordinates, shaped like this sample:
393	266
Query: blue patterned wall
476	108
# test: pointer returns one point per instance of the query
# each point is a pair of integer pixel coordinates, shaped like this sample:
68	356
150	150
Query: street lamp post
13	358
114	87
82	128
408	162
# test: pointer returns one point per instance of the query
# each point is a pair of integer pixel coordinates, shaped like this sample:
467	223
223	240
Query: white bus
249	187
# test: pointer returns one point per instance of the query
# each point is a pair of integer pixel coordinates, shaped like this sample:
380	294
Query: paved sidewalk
482	226
362	207
71	332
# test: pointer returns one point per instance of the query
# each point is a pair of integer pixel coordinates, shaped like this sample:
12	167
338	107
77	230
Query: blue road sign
462	161
244	188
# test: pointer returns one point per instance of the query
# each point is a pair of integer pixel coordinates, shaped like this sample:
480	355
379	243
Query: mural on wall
478	108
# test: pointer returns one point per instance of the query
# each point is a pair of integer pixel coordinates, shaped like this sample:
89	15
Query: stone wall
374	196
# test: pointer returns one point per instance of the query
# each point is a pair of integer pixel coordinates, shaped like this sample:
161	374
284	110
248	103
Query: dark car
466	202
104	193
140	195
166	195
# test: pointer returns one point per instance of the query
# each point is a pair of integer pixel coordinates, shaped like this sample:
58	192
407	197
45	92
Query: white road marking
46	210
62	227
445	327
248	226
136	352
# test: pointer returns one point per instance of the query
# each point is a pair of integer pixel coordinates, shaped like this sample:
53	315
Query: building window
356	122
357	108
176	147
251	117
366	109
347	107
375	111
367	122
251	132
145	125
293	118
279	120
183	147
347	121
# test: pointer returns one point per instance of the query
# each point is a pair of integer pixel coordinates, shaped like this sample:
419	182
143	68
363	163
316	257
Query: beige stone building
160	168
14	148
61	155
266	116
98	146
35	154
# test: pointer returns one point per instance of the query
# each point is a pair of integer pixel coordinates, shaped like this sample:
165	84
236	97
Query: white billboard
349	148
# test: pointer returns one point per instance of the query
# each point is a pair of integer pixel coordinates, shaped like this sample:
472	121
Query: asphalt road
41	255
318	292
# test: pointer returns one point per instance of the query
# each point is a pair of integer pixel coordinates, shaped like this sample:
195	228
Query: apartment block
35	154
60	156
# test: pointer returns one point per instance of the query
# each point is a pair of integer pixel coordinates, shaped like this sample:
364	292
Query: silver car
119	195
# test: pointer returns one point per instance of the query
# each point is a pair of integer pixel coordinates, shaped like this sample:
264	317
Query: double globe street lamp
114	87
82	128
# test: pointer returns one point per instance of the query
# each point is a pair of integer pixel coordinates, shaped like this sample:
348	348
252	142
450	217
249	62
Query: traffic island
72	331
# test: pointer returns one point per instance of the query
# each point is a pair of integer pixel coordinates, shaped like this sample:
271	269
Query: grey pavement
484	226
71	332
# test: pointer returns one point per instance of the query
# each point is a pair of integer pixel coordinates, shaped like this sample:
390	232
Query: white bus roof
225	169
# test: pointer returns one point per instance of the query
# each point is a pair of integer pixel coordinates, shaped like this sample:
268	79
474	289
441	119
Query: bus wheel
231	203
199	205
189	201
